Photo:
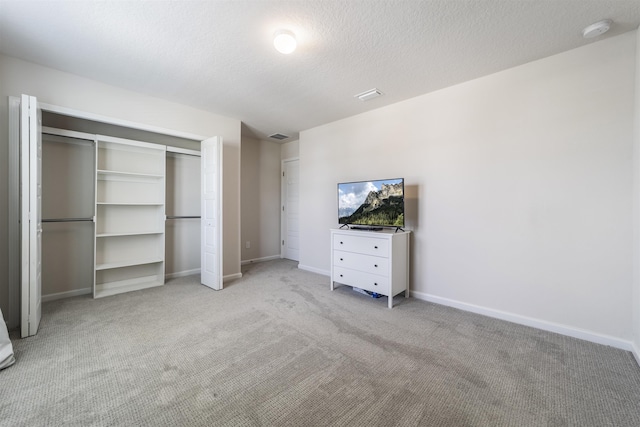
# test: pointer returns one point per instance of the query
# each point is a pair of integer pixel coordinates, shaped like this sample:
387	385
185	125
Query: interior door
211	215
30	215
291	209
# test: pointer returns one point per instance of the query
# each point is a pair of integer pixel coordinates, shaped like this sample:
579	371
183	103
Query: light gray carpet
278	348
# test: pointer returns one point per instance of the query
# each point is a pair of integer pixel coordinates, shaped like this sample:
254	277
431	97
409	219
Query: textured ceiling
217	55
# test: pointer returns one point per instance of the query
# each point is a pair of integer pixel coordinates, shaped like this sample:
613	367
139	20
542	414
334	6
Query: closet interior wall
182	228
67	211
68	197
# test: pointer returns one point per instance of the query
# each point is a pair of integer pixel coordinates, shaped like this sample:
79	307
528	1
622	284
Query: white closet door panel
211	256
31	215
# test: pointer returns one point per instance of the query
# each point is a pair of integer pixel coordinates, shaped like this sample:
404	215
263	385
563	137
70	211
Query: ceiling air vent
278	136
369	94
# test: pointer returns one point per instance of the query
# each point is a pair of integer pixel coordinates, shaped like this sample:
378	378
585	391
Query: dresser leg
332	285
390	301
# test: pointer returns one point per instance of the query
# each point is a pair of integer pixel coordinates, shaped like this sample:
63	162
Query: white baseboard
534	323
231	277
197	271
636	353
181	274
314	270
263	259
67	294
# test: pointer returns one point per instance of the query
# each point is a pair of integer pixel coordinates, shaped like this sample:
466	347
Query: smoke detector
597	29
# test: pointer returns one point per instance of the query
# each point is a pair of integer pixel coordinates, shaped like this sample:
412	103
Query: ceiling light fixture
596	29
284	41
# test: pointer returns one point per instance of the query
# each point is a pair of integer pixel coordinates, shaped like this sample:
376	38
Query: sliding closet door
30	215
211	205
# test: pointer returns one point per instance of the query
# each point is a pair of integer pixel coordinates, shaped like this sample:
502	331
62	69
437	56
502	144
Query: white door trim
118	122
13	313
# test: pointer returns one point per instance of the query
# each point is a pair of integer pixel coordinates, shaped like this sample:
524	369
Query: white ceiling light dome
597	29
285	41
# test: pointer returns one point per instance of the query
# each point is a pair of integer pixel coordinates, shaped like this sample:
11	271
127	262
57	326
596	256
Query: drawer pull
340	242
375	247
341	275
375	265
375	284
341	259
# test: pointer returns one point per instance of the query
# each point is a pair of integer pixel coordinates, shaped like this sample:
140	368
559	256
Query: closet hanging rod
181	217
67	219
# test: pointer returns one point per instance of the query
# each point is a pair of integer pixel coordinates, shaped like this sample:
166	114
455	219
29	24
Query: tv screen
372	203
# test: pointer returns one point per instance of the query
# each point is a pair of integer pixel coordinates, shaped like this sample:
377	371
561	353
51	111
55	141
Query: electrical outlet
247	245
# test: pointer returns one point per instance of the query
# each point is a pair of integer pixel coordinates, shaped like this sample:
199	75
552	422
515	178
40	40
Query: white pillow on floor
6	349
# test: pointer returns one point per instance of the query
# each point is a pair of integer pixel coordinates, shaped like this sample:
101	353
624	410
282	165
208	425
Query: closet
120	207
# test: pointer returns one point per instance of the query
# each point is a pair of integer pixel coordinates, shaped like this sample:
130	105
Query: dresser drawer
360	279
366	263
362	245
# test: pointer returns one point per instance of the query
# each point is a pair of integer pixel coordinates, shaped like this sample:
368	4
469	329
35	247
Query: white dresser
376	261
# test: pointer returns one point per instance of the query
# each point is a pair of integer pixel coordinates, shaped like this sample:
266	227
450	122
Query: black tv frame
372	227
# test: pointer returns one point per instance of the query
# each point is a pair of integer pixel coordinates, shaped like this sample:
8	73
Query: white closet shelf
133	233
129	204
131	174
128	263
113	288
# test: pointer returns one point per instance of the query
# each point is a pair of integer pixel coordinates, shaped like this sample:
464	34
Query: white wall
290	150
518	189
67	90
260	187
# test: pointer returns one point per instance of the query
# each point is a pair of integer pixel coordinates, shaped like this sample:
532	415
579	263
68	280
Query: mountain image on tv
372	203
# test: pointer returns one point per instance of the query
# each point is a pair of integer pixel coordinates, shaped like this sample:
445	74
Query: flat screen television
371	204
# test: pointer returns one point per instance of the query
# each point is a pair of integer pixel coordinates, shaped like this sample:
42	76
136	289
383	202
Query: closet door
30	215
211	205
130	216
